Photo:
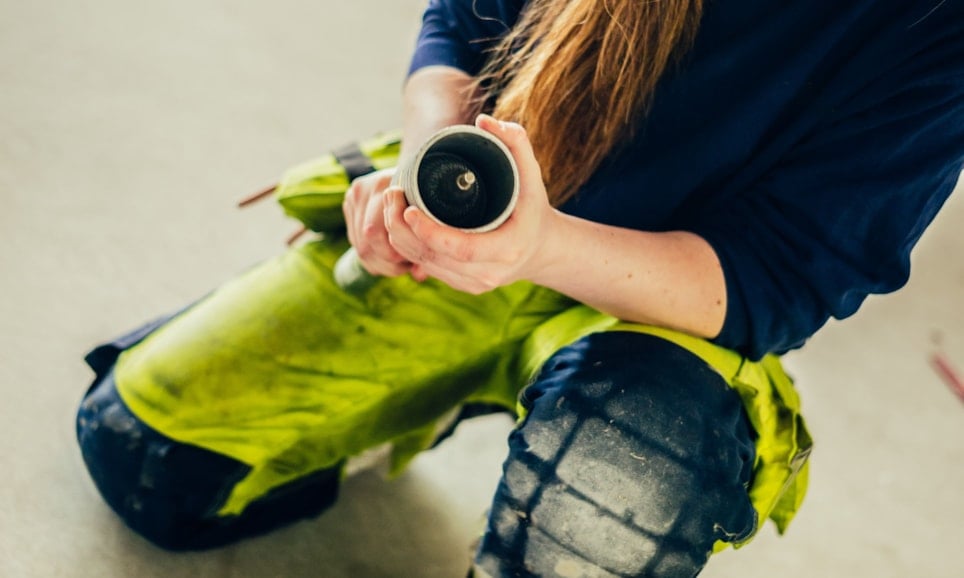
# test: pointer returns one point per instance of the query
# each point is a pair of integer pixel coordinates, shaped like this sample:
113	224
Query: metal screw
465	181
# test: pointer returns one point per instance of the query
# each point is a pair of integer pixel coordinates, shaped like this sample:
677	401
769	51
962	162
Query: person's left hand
479	262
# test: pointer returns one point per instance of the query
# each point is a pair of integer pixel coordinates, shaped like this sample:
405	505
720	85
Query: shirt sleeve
837	219
458	33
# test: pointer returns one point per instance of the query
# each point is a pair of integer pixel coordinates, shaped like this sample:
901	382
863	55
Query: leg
270	382
170	492
633	459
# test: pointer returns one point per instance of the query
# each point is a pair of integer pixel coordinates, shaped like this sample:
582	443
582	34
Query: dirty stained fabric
633	459
283	371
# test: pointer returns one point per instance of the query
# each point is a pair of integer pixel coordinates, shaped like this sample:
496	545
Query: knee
170	492
165	491
646	451
622	393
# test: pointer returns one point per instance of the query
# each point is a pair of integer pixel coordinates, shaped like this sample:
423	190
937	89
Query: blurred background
128	131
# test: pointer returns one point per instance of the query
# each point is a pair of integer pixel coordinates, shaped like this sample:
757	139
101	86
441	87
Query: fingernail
492	122
411	216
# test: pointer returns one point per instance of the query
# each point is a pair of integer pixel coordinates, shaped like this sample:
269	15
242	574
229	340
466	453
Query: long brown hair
578	74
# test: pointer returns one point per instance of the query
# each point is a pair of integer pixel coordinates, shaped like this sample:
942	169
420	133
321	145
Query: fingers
392	237
471	262
400	234
426	261
374	247
357	197
435	240
364	219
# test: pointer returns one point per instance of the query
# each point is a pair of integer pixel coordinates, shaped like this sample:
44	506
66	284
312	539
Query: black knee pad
634	458
170	492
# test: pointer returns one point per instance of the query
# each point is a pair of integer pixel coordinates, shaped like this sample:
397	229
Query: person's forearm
434	97
671	279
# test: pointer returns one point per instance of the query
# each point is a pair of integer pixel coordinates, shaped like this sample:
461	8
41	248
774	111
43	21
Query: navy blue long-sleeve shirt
810	143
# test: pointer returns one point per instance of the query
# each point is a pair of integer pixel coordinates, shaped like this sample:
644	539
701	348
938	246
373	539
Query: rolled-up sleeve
837	219
458	33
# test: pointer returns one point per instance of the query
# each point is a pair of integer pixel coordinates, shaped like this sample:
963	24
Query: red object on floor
947	373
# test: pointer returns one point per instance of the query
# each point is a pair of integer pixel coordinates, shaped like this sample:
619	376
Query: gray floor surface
127	132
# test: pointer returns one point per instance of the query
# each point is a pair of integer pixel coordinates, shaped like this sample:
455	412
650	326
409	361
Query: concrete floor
127	132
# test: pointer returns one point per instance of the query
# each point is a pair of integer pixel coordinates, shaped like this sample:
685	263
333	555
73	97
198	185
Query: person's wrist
551	252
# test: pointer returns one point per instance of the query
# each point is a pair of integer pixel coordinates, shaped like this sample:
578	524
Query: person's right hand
364	211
